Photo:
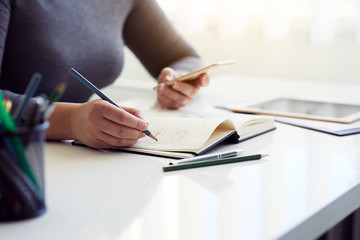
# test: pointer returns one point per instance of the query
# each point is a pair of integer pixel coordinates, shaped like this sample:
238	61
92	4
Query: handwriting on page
167	135
175	133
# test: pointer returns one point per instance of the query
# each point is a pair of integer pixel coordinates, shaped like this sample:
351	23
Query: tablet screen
309	107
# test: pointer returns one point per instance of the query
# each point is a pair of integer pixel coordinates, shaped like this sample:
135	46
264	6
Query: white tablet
303	108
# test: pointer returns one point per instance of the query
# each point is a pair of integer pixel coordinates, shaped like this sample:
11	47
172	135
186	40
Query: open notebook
186	136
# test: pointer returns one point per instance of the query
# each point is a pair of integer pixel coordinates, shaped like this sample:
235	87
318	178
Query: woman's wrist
62	121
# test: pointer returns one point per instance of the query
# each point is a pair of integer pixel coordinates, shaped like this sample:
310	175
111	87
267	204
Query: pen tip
264	155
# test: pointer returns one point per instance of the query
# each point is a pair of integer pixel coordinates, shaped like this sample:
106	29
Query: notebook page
178	133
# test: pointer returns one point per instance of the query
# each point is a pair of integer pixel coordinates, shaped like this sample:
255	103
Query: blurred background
313	40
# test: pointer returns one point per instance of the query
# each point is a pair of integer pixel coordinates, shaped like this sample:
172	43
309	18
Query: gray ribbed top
49	37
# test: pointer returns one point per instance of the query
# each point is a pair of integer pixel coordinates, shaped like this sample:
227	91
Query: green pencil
5	117
213	162
9	126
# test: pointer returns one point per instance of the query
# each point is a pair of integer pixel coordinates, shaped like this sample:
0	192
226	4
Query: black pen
211	156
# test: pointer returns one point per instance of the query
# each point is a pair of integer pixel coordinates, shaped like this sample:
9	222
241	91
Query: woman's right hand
97	124
100	124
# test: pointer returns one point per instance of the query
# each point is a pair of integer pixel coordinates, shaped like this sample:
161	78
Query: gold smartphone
192	75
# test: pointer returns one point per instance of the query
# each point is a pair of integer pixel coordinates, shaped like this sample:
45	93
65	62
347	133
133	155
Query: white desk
309	182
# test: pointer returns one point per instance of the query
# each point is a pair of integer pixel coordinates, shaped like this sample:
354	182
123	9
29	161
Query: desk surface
309	182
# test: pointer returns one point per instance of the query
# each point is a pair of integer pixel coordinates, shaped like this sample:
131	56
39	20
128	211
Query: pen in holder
22	175
22	139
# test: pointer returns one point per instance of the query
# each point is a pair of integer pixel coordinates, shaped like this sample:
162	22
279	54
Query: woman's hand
180	93
97	124
100	124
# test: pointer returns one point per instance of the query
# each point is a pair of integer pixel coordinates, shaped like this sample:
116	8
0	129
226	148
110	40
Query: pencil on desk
213	162
97	91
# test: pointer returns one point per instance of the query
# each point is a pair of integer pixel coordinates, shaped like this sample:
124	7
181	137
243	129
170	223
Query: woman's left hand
180	93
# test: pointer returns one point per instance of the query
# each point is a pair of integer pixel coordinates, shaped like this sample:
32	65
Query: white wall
293	58
293	55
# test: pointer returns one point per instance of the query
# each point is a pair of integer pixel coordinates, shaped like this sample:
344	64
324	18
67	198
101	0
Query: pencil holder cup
22	173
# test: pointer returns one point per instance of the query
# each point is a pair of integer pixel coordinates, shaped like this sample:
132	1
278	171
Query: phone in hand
192	75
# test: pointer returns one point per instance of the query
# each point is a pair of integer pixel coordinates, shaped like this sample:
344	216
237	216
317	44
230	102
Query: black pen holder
22	173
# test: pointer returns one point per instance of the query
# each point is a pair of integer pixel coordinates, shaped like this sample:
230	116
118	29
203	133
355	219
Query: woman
49	37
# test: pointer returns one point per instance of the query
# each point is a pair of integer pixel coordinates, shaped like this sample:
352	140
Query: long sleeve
5	12
152	38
